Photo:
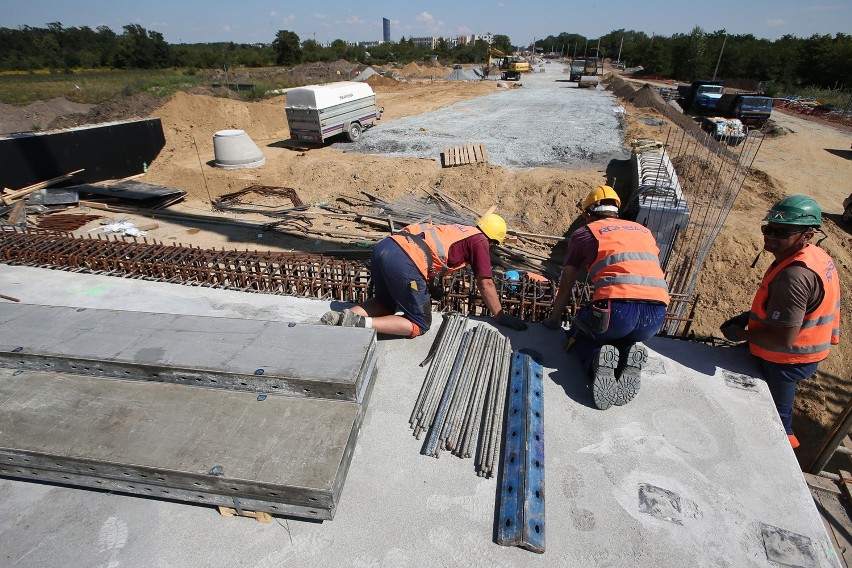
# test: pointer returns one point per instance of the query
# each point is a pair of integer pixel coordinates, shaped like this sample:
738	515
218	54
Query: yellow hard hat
599	194
493	226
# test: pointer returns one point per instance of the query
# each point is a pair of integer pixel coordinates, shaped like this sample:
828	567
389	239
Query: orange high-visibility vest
416	239
628	263
820	329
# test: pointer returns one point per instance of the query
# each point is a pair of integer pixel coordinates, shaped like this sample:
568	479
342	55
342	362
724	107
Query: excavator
510	67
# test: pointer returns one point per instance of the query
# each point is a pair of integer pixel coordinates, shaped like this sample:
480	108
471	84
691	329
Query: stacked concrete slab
241	413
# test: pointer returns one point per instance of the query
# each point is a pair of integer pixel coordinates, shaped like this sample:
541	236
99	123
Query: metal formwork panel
282	455
262	356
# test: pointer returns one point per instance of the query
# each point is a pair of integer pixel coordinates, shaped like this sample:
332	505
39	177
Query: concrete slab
240	354
283	455
695	471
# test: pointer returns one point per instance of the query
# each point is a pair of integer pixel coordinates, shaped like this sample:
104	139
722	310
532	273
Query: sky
257	21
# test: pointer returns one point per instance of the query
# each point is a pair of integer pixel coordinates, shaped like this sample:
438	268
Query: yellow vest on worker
820	329
415	239
628	263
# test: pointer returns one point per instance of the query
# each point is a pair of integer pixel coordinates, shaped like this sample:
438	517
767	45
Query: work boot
630	378
794	441
351	319
604	385
331	318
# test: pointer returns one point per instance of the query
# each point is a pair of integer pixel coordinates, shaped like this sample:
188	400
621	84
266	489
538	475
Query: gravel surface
544	123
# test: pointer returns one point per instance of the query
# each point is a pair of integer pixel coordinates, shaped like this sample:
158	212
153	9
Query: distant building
487	37
385	29
430	42
370	44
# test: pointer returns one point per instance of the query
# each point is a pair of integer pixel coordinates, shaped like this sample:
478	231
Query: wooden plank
845	480
477	151
484	154
821	483
446	156
9	197
259	516
836	521
468	151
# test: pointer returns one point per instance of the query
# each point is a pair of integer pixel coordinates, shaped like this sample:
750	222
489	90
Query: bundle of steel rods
464	393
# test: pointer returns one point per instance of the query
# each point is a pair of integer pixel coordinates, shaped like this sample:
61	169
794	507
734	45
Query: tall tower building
386	29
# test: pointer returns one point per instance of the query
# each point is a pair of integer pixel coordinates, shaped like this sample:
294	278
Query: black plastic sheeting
109	151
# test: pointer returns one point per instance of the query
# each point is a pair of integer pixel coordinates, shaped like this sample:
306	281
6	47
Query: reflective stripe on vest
628	263
820	329
438	239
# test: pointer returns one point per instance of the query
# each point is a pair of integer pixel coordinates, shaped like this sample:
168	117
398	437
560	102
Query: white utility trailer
318	112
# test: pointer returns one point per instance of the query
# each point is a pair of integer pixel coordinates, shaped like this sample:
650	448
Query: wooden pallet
462	155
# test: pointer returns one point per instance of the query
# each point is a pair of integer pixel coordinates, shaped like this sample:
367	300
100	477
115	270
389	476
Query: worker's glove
512	322
730	327
551	323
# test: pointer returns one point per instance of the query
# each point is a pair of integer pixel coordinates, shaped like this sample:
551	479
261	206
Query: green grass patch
94	86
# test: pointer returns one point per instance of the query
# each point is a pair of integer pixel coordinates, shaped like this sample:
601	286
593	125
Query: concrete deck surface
696	471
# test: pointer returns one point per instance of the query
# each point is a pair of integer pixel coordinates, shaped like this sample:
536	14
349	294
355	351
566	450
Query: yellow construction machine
511	67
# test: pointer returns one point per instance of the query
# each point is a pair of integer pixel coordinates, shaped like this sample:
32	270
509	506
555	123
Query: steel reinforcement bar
292	274
284	273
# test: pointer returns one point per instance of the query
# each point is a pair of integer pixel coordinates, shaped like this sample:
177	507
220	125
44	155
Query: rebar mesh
683	189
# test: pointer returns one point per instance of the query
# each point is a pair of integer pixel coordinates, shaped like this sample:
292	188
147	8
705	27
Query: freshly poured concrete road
696	471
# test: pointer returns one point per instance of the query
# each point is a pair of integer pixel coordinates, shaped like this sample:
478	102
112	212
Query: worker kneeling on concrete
402	264
629	298
795	315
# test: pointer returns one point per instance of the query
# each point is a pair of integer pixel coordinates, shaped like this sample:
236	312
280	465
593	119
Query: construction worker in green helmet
795	315
407	268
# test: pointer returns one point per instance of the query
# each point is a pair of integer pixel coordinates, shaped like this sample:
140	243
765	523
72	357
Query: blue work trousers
782	380
629	323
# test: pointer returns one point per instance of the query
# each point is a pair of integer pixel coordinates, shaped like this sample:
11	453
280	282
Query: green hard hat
795	210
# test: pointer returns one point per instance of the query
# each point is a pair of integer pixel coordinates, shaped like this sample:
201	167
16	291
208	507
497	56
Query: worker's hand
511	321
730	332
740	321
551	323
732	326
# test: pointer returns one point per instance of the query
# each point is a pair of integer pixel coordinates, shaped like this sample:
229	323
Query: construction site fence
280	273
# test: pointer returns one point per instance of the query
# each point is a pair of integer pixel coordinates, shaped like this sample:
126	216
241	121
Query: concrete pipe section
235	149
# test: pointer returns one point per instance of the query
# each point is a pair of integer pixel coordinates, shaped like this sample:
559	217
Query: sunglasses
778	232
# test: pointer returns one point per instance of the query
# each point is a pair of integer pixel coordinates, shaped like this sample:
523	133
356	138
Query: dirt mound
411	70
379	81
117	108
39	115
648	97
773	130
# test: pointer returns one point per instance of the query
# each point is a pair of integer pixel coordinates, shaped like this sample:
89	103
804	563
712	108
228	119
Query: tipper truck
752	109
318	112
701	96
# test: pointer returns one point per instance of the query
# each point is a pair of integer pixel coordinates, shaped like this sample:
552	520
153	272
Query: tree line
820	60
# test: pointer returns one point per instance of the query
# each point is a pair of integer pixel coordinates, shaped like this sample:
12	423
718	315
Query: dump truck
752	109
586	72
318	112
701	96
